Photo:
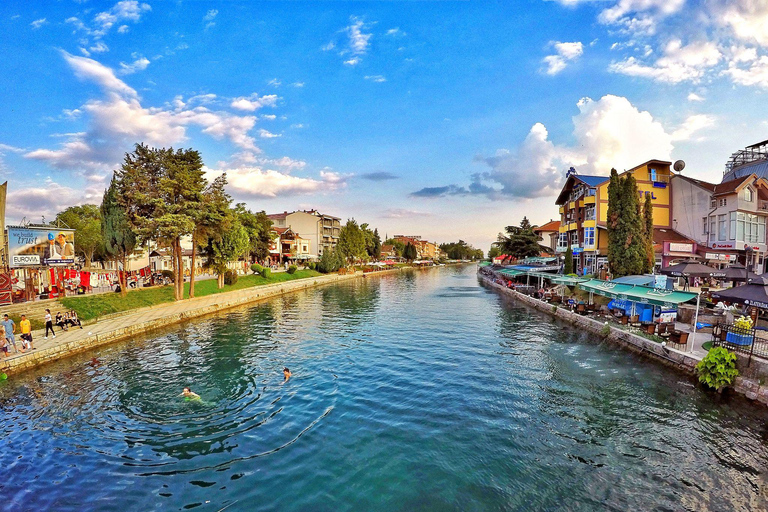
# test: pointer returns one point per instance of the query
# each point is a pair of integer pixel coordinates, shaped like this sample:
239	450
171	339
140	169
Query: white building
322	231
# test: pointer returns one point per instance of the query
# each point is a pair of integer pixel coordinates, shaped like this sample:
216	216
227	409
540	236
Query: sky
444	119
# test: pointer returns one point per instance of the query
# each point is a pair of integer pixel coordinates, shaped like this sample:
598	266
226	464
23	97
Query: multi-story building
583	205
288	246
549	233
424	250
321	231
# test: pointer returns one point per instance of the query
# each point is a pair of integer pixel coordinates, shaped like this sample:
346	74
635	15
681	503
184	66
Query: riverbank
124	325
752	383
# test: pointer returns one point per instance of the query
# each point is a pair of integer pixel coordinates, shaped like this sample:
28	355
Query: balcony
762	205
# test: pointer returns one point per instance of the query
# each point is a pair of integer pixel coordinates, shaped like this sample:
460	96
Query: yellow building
583	205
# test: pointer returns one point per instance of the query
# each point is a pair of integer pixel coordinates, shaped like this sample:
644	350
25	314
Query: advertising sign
34	247
723	245
677	247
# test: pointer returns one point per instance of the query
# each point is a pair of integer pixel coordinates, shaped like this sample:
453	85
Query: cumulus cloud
266	134
126	10
93	71
139	64
358	39
609	133
47	200
254	102
257	182
747	19
755	73
564	53
695	97
210	15
679	63
38	23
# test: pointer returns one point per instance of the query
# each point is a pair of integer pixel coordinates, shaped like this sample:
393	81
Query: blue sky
442	119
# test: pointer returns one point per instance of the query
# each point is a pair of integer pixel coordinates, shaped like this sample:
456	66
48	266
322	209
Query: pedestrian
26	332
73	320
48	323
3	343
60	321
10	327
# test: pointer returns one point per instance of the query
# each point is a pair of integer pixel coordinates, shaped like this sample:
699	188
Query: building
549	234
288	247
424	250
583	205
321	231
750	160
727	220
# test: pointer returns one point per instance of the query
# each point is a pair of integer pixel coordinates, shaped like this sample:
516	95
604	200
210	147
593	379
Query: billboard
35	247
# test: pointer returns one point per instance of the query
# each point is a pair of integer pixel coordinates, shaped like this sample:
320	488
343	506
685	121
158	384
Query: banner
35	247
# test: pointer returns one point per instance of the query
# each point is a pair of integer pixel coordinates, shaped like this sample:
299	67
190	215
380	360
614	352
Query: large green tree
86	221
117	233
520	241
232	244
648	232
212	219
259	228
162	193
397	245
351	242
461	250
627	242
410	253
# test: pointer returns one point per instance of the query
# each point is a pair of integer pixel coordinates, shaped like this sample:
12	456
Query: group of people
8	335
64	322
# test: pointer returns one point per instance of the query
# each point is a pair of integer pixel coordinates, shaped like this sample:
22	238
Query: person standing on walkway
26	331
3	343
48	323
10	327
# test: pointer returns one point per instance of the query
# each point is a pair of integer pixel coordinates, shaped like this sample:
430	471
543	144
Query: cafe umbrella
735	273
754	293
686	269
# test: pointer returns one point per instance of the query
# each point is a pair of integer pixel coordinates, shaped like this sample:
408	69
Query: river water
417	391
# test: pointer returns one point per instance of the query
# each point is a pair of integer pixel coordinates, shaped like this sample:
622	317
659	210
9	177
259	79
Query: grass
89	307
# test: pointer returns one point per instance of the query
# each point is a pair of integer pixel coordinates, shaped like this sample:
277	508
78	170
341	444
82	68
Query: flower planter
738	339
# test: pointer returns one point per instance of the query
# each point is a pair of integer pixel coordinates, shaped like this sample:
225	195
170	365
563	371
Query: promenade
126	325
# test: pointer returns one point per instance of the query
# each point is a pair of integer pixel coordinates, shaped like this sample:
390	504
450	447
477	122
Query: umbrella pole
695	320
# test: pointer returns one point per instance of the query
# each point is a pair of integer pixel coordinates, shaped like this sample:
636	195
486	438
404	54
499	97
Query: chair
634	321
624	319
650	328
581	308
665	330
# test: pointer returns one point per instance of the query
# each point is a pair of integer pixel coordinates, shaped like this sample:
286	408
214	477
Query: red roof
661	235
553	225
277	216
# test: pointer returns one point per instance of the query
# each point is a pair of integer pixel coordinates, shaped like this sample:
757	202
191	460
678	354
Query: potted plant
741	333
718	369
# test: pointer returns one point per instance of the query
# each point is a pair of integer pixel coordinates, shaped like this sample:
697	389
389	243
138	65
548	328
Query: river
421	390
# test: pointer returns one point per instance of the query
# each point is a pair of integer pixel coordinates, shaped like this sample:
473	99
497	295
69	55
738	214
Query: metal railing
751	342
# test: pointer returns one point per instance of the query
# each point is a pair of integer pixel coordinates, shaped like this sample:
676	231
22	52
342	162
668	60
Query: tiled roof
729	187
277	216
661	235
553	225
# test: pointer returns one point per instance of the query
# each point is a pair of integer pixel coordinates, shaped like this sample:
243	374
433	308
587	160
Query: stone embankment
129	324
753	382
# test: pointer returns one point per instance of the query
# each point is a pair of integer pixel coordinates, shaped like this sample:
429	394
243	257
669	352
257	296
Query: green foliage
266	272
718	368
259	228
312	265
292	269
86	221
461	250
648	231
256	268
410	253
230	277
330	261
520	241
605	331
494	251
352	242
398	245
568	265
627	241
117	233
230	245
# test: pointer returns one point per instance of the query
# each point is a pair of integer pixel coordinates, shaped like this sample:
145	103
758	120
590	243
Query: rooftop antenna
679	166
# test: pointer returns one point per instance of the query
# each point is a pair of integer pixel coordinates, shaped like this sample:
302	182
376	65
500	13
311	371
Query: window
721	228
712	229
747	195
750	228
713	203
589	237
761	230
653	175
732	230
723	201
575	238
740	227
590	213
704	222
562	241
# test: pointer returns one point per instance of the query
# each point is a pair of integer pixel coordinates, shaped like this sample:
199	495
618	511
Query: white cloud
126	10
38	23
99	47
298	84
275	82
692	125
679	63
328	47
695	97
269	117
747	19
47	200
358	40
210	15
743	54
564	53
89	69
123	29
139	64
396	32
375	78
256	182
266	134
754	75
254	102
354	61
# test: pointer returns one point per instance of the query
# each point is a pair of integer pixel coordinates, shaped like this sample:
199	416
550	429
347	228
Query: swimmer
286	374
188	393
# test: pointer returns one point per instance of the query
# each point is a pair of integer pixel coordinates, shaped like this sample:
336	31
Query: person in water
188	393
286	374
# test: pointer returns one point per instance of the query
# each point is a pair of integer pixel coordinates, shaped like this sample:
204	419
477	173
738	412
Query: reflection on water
415	391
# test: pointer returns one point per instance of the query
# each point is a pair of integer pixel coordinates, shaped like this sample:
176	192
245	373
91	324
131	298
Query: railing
752	342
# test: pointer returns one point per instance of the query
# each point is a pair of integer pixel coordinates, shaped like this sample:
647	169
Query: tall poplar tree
615	249
648	222
635	246
118	236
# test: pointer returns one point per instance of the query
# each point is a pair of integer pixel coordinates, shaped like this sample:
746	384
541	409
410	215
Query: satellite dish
679	166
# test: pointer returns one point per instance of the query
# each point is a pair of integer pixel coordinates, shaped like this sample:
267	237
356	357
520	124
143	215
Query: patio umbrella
734	273
754	293
688	268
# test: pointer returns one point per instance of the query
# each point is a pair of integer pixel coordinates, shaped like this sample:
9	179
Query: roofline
696	182
652	161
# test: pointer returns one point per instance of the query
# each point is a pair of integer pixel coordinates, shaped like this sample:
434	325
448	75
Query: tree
627	243
648	222
162	193
232	243
615	249
330	261
117	234
410	253
86	221
520	242
351	244
212	220
494	251
259	228
461	250
397	245
372	241
568	264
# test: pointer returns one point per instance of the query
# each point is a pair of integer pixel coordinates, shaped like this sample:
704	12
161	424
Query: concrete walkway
136	322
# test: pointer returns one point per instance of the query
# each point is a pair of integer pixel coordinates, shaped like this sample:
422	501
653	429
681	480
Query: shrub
292	269
605	331
167	274
230	277
718	368
312	265
256	268
265	272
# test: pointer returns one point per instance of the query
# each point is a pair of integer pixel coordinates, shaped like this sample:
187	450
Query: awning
641	294
543	268
673	254
566	280
511	272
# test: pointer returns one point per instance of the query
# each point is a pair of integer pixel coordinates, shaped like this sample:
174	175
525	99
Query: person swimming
188	393
286	374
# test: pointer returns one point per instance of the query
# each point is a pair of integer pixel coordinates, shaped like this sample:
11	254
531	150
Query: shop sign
720	257
677	247
723	245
